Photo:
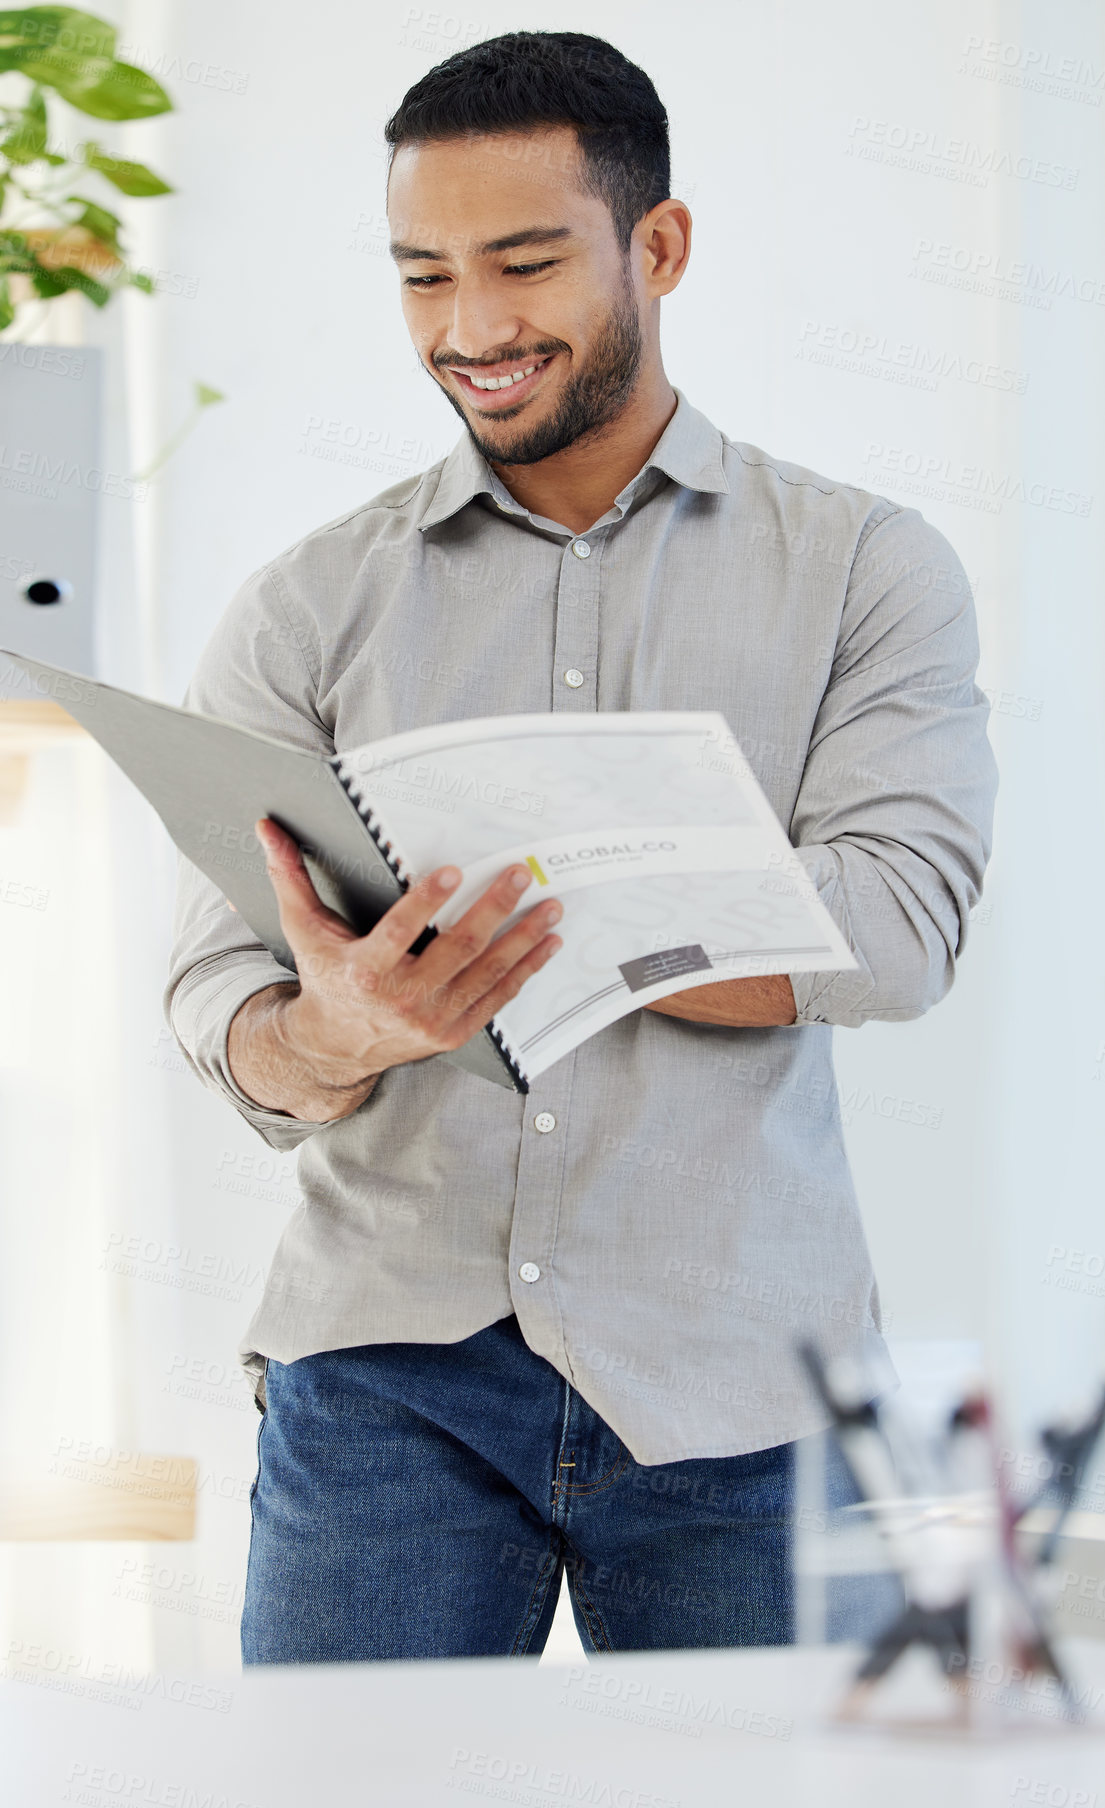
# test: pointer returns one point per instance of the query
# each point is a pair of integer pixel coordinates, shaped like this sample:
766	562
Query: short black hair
552	78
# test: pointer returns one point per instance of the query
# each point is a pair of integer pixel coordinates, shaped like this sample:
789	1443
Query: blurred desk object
1079	1608
27	724
128	1495
658	1730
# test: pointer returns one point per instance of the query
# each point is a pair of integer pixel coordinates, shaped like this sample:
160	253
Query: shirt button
573	677
581	549
529	1271
544	1121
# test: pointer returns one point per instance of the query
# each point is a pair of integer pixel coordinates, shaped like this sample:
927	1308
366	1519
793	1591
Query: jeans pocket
264	1411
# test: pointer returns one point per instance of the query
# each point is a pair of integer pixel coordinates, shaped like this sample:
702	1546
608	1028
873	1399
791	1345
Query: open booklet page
672	868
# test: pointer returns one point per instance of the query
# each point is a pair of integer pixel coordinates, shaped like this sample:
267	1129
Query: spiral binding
395	866
520	1082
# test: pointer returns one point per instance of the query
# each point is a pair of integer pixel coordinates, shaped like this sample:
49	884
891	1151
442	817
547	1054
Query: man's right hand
364	1003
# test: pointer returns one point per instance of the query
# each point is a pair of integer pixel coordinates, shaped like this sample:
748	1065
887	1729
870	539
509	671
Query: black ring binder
373	825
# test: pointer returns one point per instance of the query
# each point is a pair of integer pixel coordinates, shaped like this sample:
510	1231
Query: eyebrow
513	241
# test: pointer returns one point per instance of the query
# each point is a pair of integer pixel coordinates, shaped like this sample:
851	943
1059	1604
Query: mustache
546	349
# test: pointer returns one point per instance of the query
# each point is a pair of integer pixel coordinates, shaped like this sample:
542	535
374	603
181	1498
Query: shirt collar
689	451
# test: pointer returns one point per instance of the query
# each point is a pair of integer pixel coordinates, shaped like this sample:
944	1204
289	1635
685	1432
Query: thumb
302	912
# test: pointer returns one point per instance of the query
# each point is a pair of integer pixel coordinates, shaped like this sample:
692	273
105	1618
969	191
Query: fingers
302	912
459	946
500	957
483	1009
400	1005
389	940
483	978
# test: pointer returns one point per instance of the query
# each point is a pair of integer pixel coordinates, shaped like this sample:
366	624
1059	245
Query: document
649	826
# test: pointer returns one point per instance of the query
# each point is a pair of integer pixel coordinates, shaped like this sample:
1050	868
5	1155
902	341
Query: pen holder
930	1612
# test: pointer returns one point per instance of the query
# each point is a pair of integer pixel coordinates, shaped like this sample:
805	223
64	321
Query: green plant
203	396
51	235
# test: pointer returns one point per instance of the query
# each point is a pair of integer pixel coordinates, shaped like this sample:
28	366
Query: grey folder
210	780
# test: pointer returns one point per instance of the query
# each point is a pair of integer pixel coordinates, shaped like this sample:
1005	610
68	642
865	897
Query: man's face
517	296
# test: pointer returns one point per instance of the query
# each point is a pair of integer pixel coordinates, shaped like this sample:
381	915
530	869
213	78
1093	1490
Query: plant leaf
97	220
7	309
15	148
205	395
49	283
98	85
141	281
129	178
31	28
27	141
15	254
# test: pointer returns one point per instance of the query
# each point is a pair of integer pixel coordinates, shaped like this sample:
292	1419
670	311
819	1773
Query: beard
591	398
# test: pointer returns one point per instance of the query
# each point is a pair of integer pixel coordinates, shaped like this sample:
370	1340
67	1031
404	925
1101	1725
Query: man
507	1335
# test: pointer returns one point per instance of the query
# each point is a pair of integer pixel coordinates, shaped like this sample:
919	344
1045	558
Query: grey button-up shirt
670	1208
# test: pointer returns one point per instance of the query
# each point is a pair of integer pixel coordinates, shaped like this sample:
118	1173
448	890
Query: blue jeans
423	1501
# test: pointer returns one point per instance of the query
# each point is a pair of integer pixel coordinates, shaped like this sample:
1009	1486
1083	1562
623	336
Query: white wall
277	291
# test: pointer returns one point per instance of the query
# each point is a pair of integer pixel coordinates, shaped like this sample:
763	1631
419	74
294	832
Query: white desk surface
428	1735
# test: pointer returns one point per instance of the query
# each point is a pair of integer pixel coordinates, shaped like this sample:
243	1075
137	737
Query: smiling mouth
492	387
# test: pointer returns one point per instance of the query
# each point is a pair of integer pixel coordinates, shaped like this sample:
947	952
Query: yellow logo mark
536	870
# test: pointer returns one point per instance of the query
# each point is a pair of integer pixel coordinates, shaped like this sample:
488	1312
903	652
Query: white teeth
515	376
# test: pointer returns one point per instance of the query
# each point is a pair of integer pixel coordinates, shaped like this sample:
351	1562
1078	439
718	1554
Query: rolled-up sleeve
259	668
893	821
